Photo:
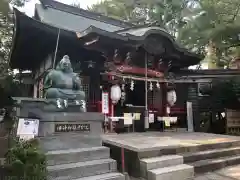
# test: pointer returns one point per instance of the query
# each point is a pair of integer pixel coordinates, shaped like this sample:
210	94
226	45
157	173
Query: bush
26	161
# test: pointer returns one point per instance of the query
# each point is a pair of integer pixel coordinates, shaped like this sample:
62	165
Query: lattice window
85	86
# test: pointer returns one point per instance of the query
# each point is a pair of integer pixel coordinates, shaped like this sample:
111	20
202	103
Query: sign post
190	117
27	128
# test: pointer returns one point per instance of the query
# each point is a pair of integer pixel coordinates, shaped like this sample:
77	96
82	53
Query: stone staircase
195	160
82	164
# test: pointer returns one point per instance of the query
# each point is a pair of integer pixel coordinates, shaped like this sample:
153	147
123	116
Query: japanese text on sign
72	127
105	106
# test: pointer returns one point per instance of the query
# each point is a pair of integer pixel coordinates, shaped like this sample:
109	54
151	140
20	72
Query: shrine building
105	51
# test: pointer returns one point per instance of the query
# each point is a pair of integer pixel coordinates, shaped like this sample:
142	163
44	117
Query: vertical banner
151	118
190	117
128	118
105	103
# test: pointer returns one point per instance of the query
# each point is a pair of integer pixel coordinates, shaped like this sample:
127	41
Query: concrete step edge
105	176
170	169
79	164
76	150
160	158
153	152
208	165
179	172
209	153
159	162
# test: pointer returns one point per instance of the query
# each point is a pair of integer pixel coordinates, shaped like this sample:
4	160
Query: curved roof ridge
141	26
84	13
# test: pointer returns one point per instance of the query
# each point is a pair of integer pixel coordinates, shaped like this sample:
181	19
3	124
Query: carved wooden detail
125	65
128	59
117	59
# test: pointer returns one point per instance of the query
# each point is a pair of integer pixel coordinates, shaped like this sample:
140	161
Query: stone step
188	149
82	169
208	165
159	162
178	172
77	155
107	176
69	140
210	154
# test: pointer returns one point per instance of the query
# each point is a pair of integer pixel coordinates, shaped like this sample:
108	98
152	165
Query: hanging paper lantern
171	97
115	93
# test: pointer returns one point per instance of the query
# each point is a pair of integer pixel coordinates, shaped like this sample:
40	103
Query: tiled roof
84	13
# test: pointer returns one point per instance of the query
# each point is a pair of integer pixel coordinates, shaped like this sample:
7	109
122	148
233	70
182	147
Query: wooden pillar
164	98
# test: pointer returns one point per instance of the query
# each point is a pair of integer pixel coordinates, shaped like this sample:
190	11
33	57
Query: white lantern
116	93
171	97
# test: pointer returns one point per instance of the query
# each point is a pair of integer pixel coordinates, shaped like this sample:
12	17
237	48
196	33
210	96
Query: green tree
166	14
6	31
214	25
118	9
7	80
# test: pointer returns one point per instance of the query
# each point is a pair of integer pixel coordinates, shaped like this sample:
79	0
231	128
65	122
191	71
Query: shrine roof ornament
154	40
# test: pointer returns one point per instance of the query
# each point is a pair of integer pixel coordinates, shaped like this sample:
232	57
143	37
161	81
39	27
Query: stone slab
159	162
162	161
47	128
69	141
183	172
215	164
213	176
77	155
210	154
150	141
82	169
230	172
107	176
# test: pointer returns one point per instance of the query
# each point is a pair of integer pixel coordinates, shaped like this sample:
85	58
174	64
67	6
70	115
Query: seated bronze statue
63	86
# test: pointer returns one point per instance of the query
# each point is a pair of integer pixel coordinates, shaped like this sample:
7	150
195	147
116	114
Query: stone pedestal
63	130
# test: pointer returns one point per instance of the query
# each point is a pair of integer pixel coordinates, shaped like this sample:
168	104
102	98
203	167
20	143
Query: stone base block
179	172
108	176
77	155
159	162
82	169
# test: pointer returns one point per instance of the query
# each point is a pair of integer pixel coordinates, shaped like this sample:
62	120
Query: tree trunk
211	55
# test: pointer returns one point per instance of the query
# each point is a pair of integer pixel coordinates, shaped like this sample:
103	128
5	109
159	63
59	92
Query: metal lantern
116	94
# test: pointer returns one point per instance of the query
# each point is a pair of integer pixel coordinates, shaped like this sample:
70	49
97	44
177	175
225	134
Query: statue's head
65	64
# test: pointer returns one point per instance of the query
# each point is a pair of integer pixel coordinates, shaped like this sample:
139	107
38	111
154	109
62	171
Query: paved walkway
228	173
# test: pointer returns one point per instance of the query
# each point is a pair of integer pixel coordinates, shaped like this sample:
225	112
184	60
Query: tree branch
236	13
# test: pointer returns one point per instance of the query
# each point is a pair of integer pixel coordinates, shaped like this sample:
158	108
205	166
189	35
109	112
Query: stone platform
170	155
72	143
